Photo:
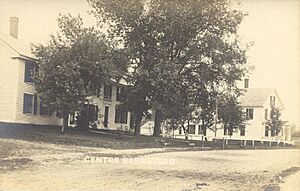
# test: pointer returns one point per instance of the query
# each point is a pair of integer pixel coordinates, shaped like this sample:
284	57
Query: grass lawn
92	138
101	138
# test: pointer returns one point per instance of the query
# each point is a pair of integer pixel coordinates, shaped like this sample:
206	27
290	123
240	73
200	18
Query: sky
272	25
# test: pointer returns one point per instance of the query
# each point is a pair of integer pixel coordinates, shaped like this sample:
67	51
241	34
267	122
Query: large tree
73	65
175	45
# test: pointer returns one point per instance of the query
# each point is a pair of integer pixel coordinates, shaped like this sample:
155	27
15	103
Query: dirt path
41	166
291	183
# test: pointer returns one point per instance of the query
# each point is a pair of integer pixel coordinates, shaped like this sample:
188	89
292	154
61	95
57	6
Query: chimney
14	22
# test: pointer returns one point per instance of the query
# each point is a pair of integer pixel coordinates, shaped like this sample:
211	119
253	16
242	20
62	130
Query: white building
105	108
19	102
256	104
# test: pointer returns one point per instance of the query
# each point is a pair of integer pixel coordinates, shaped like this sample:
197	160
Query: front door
106	110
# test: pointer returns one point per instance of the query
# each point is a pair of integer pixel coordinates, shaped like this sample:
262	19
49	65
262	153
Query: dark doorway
106	112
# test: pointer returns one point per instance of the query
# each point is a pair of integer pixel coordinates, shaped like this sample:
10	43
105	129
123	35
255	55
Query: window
192	129
93	113
106	114
180	131
246	83
72	118
107	92
266	131
28	103
121	116
272	101
242	131
29	71
44	110
200	129
119	93
225	131
249	113
273	133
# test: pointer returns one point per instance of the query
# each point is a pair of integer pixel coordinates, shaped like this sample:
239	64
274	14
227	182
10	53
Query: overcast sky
273	26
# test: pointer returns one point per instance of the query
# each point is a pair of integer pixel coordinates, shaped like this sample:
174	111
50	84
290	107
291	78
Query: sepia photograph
150	95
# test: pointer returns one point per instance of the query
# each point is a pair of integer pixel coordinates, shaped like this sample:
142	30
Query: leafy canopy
75	64
180	51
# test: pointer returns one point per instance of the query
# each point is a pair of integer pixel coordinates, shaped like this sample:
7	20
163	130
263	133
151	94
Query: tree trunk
157	123
137	123
65	120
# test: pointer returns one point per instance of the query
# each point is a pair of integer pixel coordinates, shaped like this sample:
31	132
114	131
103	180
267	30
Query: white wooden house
18	100
108	114
256	104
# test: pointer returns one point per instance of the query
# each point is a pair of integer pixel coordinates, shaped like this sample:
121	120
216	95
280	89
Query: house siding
254	127
8	83
29	88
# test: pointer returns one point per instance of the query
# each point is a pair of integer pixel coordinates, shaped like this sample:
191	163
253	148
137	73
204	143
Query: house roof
22	48
256	97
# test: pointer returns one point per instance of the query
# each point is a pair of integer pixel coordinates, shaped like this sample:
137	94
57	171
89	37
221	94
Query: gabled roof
22	48
256	97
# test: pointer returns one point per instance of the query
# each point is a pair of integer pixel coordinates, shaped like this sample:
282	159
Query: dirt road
41	166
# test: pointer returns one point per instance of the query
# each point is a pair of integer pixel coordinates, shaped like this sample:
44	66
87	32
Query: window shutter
118	94
25	106
116	116
35	104
251	113
27	72
246	83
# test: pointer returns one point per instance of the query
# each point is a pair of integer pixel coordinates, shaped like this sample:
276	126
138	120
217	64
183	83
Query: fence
242	142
